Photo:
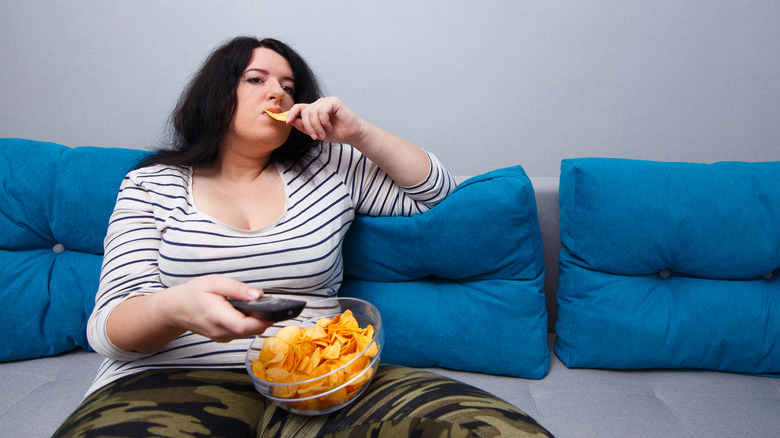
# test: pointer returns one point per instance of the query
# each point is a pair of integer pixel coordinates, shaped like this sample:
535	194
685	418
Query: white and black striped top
157	238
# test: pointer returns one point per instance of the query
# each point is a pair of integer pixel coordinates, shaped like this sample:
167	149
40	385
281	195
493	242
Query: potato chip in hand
282	117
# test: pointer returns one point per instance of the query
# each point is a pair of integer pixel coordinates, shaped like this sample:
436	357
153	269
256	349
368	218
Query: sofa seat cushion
669	265
460	286
56	202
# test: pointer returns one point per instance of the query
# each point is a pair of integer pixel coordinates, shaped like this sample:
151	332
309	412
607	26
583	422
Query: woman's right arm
135	315
147	323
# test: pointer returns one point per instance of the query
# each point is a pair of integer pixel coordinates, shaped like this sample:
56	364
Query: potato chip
298	355
274	351
282	117
332	351
288	334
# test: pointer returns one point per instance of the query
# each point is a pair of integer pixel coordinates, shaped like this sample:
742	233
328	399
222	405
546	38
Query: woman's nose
275	91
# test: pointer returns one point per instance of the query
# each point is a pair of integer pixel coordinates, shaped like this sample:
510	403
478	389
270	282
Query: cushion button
664	273
58	248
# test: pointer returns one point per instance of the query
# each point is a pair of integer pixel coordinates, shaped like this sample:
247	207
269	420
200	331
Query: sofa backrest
549	211
460	286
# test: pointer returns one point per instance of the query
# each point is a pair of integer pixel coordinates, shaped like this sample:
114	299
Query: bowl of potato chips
322	364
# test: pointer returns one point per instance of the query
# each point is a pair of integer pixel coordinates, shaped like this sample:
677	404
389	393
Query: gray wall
483	84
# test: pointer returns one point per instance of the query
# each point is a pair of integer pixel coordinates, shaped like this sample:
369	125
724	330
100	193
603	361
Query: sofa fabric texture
669	265
56	202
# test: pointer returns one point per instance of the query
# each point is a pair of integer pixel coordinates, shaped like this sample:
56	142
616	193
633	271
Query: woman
240	206
250	202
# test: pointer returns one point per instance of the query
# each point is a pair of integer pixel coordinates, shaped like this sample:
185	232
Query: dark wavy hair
206	108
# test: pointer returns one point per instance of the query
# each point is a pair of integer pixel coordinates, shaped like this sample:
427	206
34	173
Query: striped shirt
157	238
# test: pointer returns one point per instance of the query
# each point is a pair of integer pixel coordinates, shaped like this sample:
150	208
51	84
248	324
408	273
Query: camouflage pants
400	402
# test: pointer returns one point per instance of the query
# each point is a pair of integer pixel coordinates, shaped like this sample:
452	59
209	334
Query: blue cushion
460	286
46	299
669	265
52	195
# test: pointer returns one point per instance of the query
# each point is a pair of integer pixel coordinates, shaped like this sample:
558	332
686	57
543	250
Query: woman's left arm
330	120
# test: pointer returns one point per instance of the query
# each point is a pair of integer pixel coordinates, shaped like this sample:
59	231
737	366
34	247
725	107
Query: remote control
270	308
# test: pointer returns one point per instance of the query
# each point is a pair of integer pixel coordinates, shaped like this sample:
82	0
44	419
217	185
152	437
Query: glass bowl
331	391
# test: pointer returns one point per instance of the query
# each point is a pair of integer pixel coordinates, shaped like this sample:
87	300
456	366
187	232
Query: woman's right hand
147	323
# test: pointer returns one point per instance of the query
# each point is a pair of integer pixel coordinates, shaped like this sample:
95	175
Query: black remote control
270	308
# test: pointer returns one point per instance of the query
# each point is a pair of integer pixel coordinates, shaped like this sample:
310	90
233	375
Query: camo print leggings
400	401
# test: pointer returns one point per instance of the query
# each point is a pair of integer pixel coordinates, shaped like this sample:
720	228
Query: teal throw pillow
669	265
460	286
56	202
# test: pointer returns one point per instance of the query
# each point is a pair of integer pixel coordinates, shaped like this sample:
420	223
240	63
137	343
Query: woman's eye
288	90
255	80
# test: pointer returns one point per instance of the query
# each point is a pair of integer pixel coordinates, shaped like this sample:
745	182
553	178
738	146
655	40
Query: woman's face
267	84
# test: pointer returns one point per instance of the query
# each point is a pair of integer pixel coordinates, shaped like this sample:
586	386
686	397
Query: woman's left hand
327	119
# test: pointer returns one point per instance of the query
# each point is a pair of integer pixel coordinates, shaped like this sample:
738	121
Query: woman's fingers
205	310
228	287
325	119
315	117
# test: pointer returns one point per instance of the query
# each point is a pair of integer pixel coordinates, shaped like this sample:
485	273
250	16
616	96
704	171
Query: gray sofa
38	394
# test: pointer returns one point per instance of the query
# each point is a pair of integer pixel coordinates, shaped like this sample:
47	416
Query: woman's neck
235	168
